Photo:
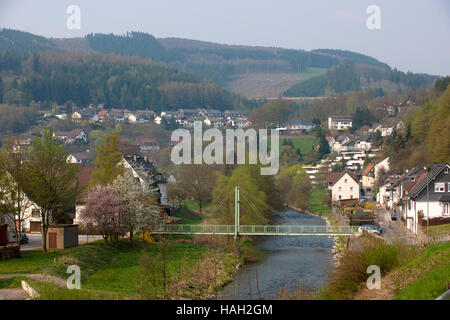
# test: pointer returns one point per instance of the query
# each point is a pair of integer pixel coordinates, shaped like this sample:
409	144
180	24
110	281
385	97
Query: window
35	213
439	187
340	197
351	196
446	170
351	188
340	188
446	210
345	180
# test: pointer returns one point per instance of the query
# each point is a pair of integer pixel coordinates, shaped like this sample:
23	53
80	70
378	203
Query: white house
340	122
346	187
428	198
382	166
69	137
157	120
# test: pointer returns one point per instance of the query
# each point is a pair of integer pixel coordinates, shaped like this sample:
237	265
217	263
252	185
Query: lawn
426	275
188	216
304	144
312	72
111	271
438	230
316	204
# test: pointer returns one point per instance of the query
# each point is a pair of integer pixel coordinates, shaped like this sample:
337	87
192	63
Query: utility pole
236	213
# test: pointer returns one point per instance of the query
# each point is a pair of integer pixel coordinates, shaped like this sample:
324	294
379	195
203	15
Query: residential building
147	144
346	187
70	137
428	198
296	126
82	157
340	122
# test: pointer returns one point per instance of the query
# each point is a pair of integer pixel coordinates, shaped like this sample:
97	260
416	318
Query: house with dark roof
427	199
295	126
340	122
147	144
70	137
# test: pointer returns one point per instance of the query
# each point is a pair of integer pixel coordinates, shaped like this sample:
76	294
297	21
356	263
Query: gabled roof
143	141
425	179
333	177
69	134
298	123
368	169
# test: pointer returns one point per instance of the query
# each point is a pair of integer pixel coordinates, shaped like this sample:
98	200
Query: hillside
254	72
59	77
353	77
248	70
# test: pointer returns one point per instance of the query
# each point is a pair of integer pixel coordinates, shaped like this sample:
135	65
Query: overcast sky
414	34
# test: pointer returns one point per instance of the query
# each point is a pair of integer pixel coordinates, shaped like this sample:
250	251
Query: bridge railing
255	229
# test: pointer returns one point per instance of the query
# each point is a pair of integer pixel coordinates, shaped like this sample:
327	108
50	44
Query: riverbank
192	271
339	242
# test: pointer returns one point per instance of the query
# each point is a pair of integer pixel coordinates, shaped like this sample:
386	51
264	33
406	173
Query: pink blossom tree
105	209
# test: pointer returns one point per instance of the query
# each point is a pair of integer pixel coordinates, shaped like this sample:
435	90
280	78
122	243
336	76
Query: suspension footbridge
254	230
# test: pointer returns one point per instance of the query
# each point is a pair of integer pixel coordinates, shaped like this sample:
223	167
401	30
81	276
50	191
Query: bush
352	270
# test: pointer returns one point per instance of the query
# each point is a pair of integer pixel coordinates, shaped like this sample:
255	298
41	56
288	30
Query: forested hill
254	72
213	61
115	81
353	77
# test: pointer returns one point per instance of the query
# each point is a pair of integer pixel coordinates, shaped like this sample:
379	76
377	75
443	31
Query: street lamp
428	204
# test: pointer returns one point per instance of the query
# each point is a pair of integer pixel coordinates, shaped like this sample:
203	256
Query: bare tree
198	181
176	193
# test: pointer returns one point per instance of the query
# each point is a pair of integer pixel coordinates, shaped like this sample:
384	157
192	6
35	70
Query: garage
62	236
35	227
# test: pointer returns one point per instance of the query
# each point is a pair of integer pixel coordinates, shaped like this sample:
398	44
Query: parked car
370	229
362	214
394	216
23	238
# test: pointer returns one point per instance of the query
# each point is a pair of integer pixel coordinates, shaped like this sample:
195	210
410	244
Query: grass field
316	204
304	144
113	271
426	275
312	72
437	230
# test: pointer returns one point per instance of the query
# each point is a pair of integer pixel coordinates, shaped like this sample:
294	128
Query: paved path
35	240
18	293
12	294
37	276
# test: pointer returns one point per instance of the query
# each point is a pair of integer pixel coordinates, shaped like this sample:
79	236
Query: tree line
114	81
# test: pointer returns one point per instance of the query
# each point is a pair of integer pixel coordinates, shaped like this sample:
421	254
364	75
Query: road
35	240
393	230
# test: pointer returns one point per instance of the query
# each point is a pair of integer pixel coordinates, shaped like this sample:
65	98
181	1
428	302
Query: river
288	260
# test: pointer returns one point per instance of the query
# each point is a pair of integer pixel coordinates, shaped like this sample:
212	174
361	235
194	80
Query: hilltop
252	71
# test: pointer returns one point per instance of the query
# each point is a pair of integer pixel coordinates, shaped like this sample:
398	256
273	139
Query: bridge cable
255	209
264	204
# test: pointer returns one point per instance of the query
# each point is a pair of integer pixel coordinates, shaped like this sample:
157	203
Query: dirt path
38	277
387	291
12	294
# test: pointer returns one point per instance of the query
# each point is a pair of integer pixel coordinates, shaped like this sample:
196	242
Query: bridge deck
257	230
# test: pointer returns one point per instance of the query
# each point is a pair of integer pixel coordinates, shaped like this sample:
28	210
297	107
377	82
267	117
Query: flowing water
288	261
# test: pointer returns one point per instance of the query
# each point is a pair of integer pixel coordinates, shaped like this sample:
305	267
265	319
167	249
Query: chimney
134	157
145	158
